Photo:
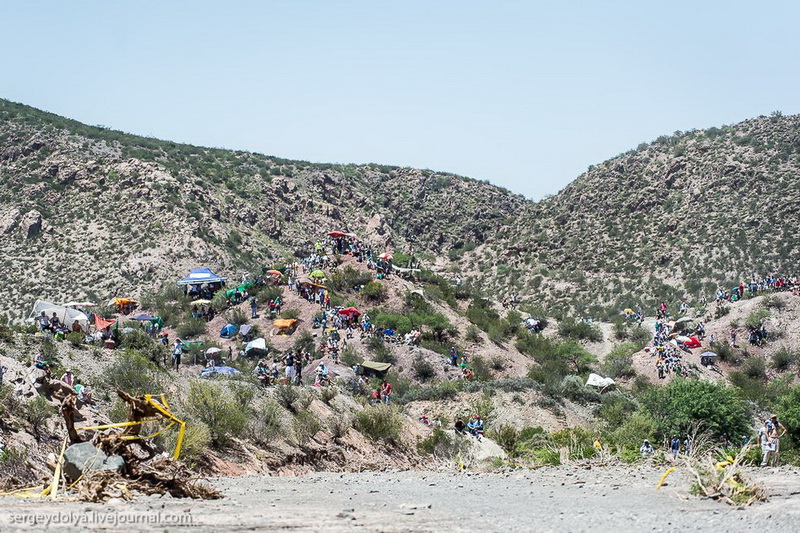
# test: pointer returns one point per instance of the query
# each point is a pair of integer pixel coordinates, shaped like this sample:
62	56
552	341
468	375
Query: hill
671	219
87	212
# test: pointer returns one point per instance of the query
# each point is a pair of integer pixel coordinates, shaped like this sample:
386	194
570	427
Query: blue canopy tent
198	276
202	283
228	331
214	371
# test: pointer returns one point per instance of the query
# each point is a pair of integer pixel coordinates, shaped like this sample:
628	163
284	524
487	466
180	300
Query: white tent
596	380
256	344
66	315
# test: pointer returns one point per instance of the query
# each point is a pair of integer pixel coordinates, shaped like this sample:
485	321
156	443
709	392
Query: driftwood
146	473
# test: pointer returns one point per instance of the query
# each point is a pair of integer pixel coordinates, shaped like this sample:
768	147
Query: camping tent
228	331
66	315
102	323
285	323
144	317
373	368
214	371
596	380
122	302
199	276
245	329
404	270
255	347
79	304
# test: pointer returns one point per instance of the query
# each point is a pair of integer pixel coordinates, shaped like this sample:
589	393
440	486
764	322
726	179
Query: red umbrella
386	256
349	311
338	234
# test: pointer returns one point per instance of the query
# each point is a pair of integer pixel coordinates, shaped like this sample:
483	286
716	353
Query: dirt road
551	499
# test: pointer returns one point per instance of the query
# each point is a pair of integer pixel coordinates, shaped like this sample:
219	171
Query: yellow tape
118	425
57	474
162	408
668	472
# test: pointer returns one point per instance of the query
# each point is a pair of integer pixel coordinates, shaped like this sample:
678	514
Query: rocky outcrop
30	225
8	220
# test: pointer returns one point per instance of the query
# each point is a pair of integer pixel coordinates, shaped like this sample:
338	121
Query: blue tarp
214	371
228	331
198	276
144	317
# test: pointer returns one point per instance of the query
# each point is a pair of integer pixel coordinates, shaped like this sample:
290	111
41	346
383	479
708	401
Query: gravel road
549	499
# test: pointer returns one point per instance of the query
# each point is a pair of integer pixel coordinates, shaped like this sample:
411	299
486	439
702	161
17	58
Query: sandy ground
549	499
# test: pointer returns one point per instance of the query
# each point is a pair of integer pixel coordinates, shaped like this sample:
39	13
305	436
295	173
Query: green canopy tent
373	368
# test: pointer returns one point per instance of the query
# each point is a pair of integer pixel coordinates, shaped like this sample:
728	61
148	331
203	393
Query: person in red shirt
386	392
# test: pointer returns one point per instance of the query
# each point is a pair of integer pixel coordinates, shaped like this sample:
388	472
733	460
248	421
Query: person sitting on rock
460	426
84	392
42	363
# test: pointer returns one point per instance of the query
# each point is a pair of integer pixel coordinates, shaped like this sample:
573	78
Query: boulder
30	224
8	220
84	457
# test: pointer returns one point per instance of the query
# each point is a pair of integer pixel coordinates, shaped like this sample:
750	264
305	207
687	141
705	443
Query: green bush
191	327
236	316
380	423
682	404
569	328
36	413
756	368
196	441
213	404
288	396
615	408
305	425
473	334
443	444
349	357
9	403
480	370
133	373
374	291
77	340
348	278
788	412
773	301
619	363
380	352
573	388
423	370
267	422
784	359
756	318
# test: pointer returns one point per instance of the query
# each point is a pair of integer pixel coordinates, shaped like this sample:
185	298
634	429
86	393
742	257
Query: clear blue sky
524	94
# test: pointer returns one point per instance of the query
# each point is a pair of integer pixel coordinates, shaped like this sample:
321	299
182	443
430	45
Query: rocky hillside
87	212
671	219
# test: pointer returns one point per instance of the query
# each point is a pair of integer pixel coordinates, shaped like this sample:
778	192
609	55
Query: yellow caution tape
668	472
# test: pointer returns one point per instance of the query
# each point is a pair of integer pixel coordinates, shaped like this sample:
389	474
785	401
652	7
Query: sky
526	95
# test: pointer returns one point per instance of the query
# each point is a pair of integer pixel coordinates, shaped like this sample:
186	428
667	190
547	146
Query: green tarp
377	367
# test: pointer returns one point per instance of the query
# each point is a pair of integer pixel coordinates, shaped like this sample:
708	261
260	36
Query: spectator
386	392
646	448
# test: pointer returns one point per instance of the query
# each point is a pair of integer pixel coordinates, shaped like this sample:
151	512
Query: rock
83	456
8	220
30	224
